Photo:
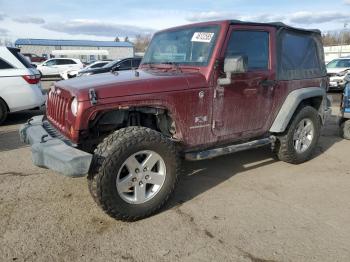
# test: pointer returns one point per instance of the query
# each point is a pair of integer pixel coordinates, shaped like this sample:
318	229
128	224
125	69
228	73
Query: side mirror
116	68
233	65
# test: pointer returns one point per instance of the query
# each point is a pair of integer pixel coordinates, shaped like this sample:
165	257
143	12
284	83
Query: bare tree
336	38
141	42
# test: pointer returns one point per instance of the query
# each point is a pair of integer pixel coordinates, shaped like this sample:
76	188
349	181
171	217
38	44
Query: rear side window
299	52
65	62
300	55
25	61
252	44
5	65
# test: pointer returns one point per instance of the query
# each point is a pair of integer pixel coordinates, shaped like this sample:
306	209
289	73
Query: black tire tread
285	152
115	144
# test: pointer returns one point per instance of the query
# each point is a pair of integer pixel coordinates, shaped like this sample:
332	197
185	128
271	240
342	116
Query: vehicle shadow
9	135
198	177
21	117
9	140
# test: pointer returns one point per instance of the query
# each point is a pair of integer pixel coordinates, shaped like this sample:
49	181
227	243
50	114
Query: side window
125	65
253	44
65	62
5	65
136	62
98	65
343	63
299	52
51	62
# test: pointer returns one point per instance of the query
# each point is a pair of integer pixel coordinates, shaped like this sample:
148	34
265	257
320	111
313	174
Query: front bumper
337	82
53	153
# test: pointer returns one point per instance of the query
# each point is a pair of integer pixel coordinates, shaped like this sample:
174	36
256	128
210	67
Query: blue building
86	50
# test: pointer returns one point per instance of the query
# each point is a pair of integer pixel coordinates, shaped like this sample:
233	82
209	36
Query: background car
118	65
20	86
55	66
34	59
337	70
73	73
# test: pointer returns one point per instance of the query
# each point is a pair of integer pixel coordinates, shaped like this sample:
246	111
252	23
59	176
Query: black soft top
278	25
300	53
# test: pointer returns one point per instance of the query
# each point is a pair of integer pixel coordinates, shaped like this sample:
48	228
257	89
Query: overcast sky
103	20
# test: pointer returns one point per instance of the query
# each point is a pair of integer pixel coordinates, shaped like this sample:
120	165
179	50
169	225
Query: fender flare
290	105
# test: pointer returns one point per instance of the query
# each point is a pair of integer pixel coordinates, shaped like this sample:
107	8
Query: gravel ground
243	207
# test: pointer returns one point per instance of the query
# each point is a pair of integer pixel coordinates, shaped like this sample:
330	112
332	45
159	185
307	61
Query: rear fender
291	104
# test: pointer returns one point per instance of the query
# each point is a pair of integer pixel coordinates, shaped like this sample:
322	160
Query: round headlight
74	106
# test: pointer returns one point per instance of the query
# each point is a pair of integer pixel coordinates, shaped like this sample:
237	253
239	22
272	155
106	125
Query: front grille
53	132
331	74
57	106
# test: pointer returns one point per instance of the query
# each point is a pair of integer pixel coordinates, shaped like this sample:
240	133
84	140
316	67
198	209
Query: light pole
342	39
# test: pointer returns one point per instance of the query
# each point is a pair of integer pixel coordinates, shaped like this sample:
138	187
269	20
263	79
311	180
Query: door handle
268	83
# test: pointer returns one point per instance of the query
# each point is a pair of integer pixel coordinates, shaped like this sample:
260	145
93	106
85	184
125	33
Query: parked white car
337	69
73	73
20	86
56	66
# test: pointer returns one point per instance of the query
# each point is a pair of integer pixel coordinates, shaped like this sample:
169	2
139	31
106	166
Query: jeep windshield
189	46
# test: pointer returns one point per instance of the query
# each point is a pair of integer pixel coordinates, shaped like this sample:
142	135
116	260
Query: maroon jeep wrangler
201	91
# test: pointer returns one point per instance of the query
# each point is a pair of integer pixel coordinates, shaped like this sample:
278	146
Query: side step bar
215	152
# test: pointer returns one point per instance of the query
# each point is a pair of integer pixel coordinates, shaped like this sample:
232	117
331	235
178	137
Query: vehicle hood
128	83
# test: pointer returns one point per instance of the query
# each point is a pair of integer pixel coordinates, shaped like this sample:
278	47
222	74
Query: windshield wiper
149	64
174	64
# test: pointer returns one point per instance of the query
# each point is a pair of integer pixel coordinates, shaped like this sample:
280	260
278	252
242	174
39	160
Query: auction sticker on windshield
202	37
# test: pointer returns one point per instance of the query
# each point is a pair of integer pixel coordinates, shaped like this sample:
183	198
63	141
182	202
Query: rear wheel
345	129
134	172
3	111
299	141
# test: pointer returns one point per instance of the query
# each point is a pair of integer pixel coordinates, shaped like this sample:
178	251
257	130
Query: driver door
242	108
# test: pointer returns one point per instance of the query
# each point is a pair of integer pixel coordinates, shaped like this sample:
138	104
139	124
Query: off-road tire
107	160
284	147
345	129
3	111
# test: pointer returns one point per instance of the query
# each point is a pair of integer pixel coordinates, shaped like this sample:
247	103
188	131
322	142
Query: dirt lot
243	207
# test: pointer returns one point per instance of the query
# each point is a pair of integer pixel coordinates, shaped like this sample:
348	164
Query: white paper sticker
202	37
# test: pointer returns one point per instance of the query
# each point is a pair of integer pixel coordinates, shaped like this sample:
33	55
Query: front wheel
134	172
299	141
